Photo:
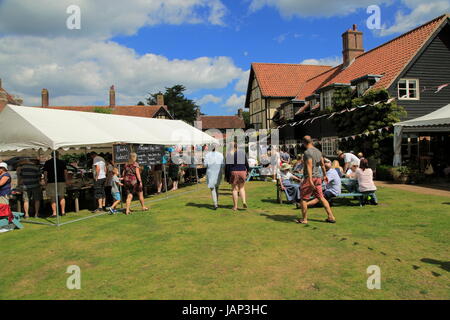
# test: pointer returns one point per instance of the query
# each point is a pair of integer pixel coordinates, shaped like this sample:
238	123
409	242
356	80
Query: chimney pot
112	97
45	98
354	27
240	113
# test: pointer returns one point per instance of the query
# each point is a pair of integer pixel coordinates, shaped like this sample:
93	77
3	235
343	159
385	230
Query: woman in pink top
365	181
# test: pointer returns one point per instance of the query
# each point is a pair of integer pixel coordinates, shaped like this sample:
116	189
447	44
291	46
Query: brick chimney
198	113
45	98
240	113
112	97
160	100
352	44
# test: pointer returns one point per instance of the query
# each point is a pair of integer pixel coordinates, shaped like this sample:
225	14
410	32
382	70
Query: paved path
436	190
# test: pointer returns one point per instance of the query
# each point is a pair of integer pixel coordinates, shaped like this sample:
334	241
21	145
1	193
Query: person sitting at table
333	187
298	166
351	172
364	175
252	162
349	159
337	166
292	190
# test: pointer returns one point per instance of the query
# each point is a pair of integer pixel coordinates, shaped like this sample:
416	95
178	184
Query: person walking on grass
214	163
60	181
115	190
333	186
236	171
29	178
99	172
133	182
312	183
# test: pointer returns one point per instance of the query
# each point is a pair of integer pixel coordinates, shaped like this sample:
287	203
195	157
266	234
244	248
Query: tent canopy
41	128
440	117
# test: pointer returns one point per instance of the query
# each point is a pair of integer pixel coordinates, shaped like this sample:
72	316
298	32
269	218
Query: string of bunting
331	115
436	89
366	134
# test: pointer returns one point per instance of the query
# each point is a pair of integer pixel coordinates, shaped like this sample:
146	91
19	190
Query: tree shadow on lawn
442	264
207	206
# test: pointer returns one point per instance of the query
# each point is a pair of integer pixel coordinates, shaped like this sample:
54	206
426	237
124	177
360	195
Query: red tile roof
387	60
284	80
135	111
221	122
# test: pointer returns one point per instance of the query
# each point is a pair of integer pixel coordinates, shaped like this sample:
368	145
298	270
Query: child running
115	183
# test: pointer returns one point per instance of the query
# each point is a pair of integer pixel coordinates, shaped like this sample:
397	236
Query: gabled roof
388	60
221	122
283	80
135	111
9	99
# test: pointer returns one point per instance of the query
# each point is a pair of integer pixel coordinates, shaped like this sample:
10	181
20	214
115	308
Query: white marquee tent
438	120
42	128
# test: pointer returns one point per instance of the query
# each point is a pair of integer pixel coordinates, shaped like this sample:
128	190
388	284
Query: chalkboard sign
149	154
121	153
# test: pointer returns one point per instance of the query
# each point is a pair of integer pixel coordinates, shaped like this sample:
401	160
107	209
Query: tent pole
165	178
56	189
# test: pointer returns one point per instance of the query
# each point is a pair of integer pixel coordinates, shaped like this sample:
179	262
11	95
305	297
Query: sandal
330	221
301	221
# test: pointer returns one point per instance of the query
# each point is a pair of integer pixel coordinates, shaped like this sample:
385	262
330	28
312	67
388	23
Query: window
329	146
362	87
327	98
289	112
408	89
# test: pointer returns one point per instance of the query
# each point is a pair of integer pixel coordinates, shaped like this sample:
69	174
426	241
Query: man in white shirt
349	158
99	172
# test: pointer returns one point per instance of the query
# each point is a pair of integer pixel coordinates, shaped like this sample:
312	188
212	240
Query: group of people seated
356	169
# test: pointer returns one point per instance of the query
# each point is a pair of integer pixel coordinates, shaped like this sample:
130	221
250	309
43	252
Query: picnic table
255	172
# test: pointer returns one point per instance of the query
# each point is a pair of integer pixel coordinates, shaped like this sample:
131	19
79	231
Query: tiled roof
284	80
387	60
222	122
135	111
9	99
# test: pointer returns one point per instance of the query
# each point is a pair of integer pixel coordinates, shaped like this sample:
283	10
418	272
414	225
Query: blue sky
207	46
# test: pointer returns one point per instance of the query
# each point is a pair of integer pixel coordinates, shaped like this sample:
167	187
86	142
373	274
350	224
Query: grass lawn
181	249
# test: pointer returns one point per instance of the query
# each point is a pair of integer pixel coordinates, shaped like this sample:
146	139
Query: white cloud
80	71
242	84
281	38
104	18
421	11
209	98
329	61
235	102
308	8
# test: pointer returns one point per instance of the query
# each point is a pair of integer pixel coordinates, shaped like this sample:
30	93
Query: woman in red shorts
132	182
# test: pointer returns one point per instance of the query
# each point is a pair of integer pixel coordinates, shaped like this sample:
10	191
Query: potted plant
401	174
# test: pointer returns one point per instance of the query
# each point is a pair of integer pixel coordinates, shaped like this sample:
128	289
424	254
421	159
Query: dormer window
364	83
362	87
327	99
408	89
289	112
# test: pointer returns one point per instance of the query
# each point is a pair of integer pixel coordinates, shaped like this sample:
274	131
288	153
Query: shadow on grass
280	217
448	203
442	264
207	206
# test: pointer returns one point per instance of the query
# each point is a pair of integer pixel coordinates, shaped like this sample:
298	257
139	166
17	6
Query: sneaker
111	210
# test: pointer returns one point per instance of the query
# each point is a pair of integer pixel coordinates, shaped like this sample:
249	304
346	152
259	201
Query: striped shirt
30	175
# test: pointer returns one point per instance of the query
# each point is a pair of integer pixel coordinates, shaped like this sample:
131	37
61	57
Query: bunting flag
436	89
364	134
329	116
442	86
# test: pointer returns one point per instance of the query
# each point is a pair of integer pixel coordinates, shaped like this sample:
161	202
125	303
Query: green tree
246	116
179	106
363	120
102	110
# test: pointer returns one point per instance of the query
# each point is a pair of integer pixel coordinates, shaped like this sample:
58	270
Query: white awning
440	117
43	128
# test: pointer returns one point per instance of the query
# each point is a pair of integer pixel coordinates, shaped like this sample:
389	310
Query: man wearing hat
292	190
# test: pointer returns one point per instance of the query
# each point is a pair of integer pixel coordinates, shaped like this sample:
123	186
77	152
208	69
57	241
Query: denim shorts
116	196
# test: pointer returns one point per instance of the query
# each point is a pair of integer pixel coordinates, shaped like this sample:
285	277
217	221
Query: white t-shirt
286	175
351	158
99	161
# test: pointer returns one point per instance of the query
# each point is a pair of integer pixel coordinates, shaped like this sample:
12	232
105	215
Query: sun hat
326	160
285	166
4	165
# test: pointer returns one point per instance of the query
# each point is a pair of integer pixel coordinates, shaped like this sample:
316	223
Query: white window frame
417	89
362	87
329	146
326	95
